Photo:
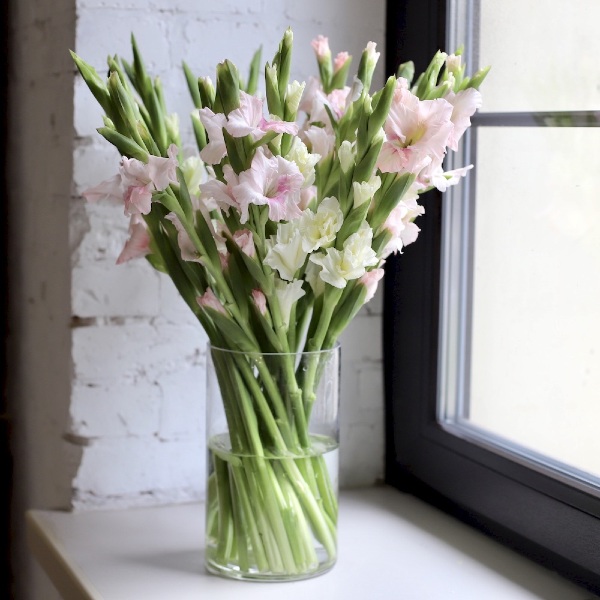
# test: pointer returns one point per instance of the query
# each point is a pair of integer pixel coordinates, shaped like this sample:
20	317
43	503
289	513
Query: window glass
520	317
544	54
535	352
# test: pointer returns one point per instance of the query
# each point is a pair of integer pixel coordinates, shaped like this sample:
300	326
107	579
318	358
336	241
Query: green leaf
125	145
253	72
192	83
351	224
228	86
338	81
406	70
389	199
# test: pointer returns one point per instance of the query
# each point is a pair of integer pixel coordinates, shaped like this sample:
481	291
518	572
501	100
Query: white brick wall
106	363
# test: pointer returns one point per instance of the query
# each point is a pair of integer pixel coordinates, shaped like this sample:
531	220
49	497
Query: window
448	439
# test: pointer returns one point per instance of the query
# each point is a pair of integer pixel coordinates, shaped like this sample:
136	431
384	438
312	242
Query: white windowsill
391	546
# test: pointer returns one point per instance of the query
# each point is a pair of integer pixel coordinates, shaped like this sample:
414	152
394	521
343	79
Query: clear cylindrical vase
272	488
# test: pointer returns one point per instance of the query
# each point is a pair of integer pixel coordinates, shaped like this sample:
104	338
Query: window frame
545	519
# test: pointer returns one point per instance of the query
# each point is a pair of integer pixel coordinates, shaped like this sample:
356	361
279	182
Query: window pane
535	351
544	54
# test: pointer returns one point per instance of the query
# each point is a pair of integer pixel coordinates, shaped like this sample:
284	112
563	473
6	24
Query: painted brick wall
137	401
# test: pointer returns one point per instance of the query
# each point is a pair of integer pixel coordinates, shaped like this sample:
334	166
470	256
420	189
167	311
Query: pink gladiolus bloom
138	244
307	195
464	104
243	238
260	301
273	181
163	171
220	193
321	140
209	300
400	224
248	119
111	189
321	47
441	179
215	150
340	60
417	132
370	280
138	199
140	180
186	246
337	100
314	100
312	88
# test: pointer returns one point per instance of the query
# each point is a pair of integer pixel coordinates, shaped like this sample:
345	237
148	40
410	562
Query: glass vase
272	489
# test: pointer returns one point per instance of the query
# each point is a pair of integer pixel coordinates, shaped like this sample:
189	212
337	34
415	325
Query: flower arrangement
275	232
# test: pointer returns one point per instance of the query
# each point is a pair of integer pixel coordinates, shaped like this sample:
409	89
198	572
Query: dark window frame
543	518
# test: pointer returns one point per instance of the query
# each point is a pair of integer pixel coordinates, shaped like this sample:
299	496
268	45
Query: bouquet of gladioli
275	233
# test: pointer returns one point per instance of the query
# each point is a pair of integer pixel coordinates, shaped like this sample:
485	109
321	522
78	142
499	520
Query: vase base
234	572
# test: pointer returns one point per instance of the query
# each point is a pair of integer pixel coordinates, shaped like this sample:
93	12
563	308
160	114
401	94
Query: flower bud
346	156
364	191
292	99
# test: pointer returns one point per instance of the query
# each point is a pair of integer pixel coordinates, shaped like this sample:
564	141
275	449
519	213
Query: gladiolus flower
322	141
248	119
209	300
340	60
140	180
260	301
417	132
215	150
365	190
285	252
370	280
319	229
186	246
464	104
110	189
138	244
243	238
287	295
321	47
272	181
220	193
340	266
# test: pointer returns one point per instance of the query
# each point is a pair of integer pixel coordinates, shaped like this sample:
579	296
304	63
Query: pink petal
209	300
321	47
370	280
215	150
109	189
138	244
163	171
245	120
138	199
260	301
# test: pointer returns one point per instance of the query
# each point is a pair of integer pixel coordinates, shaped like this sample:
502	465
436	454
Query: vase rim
335	348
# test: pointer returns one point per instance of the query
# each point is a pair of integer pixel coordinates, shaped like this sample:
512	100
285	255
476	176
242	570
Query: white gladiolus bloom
285	253
294	95
287	295
340	266
194	173
305	161
358	246
319	229
364	191
312	276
